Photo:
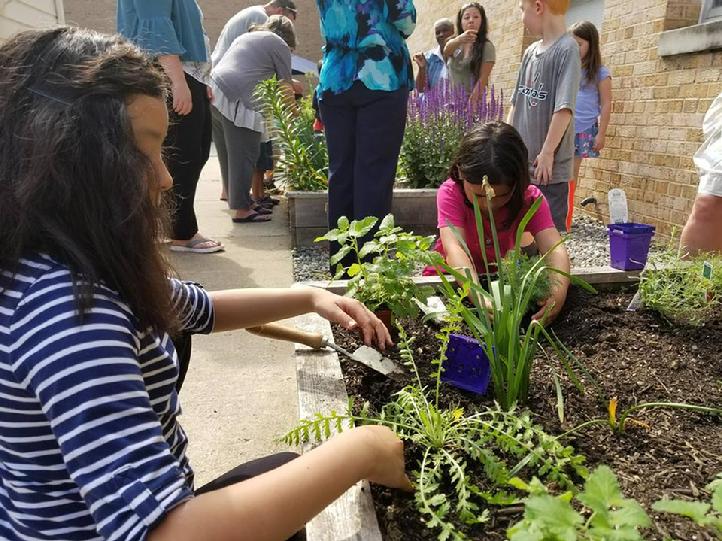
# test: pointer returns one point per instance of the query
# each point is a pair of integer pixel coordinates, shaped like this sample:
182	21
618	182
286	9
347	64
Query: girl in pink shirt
495	150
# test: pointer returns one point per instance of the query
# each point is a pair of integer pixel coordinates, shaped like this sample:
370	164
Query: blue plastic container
467	366
629	245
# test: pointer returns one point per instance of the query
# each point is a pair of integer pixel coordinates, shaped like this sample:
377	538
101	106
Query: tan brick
710	75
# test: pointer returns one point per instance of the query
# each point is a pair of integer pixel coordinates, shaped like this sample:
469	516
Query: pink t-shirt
452	210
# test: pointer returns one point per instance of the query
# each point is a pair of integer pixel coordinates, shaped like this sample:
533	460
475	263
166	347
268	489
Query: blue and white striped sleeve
87	379
193	306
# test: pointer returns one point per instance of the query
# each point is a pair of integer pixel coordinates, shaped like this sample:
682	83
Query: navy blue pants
364	130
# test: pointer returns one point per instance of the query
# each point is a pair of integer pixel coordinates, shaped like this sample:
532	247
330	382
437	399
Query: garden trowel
364	354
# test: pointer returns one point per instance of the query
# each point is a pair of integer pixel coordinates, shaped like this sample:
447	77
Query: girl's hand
182	99
352	316
467	37
420	60
550	307
209	93
598	143
386	454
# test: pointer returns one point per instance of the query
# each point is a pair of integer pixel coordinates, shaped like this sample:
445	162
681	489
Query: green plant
450	441
611	517
516	265
436	122
304	157
707	515
382	274
497	316
618	422
683	291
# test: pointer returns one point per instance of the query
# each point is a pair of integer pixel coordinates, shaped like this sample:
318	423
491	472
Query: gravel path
588	246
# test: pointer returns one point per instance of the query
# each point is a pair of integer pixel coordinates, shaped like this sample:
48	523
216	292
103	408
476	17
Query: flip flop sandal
195	246
268	200
252	219
263	211
262	204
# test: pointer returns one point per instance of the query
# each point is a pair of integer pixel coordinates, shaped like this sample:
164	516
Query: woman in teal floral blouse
363	90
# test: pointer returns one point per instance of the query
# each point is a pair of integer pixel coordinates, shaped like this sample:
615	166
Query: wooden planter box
413	209
321	388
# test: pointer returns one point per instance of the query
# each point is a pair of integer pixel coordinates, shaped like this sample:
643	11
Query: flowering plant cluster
437	120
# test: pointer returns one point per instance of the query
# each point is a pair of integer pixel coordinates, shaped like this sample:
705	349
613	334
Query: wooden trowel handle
289	334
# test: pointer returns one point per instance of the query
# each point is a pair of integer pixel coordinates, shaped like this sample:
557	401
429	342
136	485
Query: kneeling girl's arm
548	243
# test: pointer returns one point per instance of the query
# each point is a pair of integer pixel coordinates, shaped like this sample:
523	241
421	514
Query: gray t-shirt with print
253	57
548	82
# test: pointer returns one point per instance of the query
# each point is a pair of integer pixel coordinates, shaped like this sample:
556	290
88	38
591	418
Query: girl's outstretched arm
558	258
276	504
243	308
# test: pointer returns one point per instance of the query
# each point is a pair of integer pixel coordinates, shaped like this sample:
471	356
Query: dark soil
634	356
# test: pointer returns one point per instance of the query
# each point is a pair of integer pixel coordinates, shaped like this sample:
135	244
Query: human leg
340	116
188	144
379	132
241	163
557	196
249	470
265	162
380	124
572	189
219	141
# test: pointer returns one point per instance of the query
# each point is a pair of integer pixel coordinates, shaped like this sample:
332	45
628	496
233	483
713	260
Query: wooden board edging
596	276
321	389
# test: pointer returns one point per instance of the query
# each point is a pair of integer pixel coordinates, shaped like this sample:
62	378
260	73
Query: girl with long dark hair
493	157
470	55
90	444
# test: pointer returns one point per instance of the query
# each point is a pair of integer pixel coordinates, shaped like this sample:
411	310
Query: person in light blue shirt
432	66
363	91
172	30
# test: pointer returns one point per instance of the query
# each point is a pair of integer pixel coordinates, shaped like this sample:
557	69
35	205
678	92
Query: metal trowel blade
375	360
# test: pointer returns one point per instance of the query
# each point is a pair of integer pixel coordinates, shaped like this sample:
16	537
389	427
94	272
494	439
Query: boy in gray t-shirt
543	104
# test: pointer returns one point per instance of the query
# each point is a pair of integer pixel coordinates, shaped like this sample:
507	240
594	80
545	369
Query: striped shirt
90	447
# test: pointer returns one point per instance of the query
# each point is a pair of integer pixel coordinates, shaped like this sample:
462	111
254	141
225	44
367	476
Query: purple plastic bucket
629	245
466	365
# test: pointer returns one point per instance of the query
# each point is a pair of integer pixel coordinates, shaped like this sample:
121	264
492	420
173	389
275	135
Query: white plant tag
618	213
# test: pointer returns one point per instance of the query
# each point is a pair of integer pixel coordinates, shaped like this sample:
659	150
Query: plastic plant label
707	270
707	273
618	212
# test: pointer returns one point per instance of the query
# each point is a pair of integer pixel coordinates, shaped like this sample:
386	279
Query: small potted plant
382	275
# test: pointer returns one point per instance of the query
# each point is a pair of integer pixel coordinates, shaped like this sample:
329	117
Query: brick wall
100	15
659	103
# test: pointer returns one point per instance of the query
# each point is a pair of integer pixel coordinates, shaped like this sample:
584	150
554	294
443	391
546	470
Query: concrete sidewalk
240	391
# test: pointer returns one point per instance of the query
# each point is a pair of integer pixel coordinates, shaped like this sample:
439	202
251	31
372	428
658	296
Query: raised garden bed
636	357
413	209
